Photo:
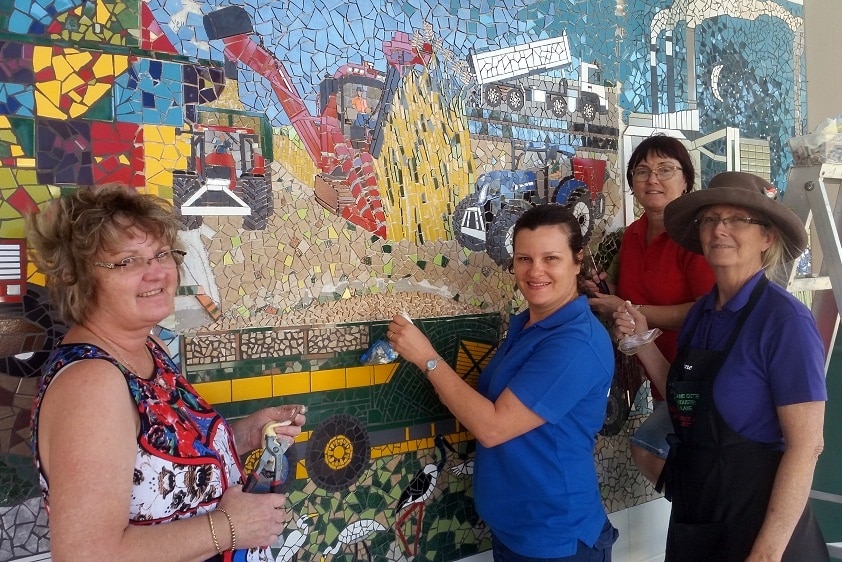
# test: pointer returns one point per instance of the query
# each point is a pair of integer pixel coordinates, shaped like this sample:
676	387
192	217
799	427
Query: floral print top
185	449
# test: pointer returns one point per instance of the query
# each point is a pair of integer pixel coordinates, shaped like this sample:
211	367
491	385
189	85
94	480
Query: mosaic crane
293	542
354	534
414	496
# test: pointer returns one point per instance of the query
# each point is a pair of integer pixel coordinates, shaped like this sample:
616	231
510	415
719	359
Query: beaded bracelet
230	526
213	534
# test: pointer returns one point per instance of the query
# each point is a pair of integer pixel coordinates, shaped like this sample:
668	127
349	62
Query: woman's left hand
628	320
248	432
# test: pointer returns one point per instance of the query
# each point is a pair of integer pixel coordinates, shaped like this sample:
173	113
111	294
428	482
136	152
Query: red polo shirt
662	273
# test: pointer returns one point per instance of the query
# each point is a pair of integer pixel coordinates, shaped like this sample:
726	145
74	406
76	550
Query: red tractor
347	182
225	175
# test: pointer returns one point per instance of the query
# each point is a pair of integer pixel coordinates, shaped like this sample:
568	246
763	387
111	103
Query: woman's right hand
259	519
604	305
409	341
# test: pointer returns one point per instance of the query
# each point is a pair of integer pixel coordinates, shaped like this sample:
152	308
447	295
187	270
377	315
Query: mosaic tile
325	232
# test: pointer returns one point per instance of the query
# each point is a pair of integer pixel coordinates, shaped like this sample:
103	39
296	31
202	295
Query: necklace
115	349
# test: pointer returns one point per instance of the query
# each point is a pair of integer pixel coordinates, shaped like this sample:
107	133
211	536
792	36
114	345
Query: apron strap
672	439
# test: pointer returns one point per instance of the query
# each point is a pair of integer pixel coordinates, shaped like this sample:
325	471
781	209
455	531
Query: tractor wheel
566	187
338	452
499	242
183	187
579	204
257	193
468	223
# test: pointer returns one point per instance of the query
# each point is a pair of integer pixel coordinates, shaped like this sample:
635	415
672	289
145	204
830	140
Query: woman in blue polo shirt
539	405
746	391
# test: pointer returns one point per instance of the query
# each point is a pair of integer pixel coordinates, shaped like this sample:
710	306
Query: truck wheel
516	99
493	96
499	243
588	110
257	193
579	204
469	223
338	452
558	105
183	187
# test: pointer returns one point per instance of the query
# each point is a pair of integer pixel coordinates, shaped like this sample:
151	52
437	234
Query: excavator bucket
227	22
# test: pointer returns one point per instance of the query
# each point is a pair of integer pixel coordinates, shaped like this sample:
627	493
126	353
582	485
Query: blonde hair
70	232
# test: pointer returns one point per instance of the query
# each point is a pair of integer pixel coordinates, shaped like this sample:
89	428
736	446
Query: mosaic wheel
338	452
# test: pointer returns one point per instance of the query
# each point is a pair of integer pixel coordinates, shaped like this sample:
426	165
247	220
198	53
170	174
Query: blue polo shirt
539	492
777	360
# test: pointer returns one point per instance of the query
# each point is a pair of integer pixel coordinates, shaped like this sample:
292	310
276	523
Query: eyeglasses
663	173
168	259
730	223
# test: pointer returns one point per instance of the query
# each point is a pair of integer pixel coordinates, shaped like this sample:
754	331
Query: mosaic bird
293	542
354	534
416	493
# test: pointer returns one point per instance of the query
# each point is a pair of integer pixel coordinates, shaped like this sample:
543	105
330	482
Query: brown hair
551	215
70	232
666	147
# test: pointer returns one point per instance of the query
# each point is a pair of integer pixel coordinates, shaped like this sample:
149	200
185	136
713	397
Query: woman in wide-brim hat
740	190
746	391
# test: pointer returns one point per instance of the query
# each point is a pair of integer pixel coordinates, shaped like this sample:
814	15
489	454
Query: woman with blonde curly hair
130	457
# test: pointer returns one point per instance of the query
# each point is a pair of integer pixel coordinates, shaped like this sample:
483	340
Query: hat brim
680	214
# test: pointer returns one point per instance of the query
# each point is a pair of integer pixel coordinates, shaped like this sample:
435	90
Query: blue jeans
652	433
599	552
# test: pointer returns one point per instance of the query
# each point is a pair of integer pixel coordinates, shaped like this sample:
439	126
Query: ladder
813	192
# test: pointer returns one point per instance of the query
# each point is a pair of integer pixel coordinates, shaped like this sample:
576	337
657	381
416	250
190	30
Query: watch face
432	364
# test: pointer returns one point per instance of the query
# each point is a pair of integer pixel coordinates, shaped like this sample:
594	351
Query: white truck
519	74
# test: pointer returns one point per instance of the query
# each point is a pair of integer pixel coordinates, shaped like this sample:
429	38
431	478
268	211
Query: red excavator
344	149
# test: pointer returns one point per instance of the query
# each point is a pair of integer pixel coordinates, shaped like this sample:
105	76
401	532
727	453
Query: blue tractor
485	219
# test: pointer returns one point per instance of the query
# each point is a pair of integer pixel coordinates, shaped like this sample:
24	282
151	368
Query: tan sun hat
740	189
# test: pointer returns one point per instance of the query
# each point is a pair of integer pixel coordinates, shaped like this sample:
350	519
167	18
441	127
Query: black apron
718	481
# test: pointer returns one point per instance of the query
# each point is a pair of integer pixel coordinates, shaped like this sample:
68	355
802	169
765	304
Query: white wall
822	25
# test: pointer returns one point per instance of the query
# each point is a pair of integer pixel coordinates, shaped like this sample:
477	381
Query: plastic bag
823	145
380	353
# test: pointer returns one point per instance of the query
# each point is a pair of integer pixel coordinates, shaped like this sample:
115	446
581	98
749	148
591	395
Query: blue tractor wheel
499	243
567	186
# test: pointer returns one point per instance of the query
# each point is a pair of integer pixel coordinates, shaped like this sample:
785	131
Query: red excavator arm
343	169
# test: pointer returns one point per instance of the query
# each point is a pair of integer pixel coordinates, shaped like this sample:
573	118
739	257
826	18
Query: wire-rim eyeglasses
167	259
730	223
663	173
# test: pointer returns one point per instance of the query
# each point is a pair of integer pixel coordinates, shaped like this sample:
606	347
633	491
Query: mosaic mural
333	164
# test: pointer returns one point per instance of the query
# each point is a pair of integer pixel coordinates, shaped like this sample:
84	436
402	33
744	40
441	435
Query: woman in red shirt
656	274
